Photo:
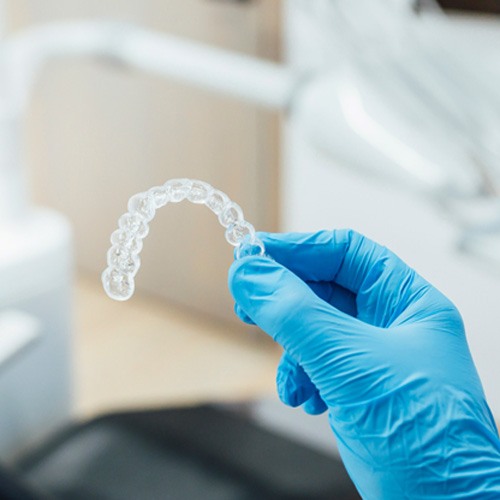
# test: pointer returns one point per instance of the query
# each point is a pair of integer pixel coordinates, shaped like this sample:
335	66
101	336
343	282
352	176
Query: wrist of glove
374	344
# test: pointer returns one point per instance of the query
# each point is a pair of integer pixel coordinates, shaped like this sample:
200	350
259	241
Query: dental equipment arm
411	100
24	55
250	79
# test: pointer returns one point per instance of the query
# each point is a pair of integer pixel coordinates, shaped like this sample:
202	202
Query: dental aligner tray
133	227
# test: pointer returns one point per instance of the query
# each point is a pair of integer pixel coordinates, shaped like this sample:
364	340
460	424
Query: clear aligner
133	227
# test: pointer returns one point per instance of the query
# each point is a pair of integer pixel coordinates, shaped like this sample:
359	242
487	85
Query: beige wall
97	134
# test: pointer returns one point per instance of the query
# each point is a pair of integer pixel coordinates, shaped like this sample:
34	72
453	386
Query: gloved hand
368	339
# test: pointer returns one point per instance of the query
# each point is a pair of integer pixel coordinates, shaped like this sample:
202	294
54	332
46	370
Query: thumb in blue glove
369	340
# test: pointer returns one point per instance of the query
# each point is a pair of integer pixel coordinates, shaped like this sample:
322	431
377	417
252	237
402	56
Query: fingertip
242	315
315	405
293	384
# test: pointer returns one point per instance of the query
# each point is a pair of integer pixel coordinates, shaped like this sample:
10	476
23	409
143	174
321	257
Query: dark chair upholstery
192	453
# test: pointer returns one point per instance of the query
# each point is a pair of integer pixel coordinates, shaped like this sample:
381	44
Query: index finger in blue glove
306	255
381	282
287	309
242	315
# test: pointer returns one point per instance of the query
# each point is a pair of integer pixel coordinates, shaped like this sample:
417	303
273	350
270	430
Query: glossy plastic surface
133	226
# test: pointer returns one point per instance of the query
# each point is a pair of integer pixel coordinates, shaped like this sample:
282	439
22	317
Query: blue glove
368	339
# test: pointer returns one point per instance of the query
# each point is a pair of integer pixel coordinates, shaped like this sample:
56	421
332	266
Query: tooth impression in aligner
133	227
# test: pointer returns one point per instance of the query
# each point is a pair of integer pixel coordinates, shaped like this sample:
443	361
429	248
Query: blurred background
311	114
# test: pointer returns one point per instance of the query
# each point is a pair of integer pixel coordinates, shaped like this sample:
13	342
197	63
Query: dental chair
204	452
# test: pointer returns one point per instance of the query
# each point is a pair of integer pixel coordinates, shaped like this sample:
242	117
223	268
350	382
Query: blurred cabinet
96	134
